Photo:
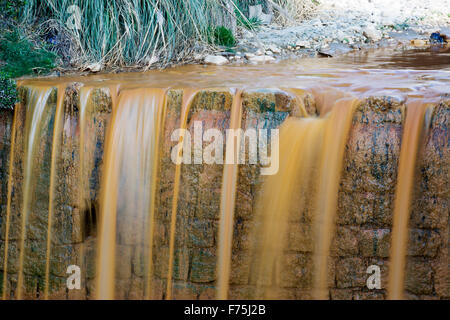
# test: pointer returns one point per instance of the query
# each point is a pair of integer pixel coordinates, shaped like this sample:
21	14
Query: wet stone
203	265
240	268
350	273
373	148
375	243
297	271
300	237
180	263
345	242
201	234
423	243
418	276
374	209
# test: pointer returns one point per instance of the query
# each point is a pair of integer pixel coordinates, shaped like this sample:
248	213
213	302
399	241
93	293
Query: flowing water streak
412	130
83	178
228	197
301	141
188	96
55	150
106	243
332	157
126	184
8	204
155	166
36	103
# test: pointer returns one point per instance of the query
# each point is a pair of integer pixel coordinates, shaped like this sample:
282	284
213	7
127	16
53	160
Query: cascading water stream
127	183
412	132
37	99
228	197
301	141
330	170
312	152
53	168
188	96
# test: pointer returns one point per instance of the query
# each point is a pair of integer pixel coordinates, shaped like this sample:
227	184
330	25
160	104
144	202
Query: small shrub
21	57
8	92
222	36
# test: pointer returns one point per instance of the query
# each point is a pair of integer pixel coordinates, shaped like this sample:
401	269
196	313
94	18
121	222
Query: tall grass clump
129	32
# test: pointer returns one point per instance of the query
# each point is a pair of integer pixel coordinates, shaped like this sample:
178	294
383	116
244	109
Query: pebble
303	44
371	33
258	59
259	52
216	60
274	49
419	42
94	67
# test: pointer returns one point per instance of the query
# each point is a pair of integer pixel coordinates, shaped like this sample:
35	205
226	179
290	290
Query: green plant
127	32
222	36
12	8
20	57
248	23
8	92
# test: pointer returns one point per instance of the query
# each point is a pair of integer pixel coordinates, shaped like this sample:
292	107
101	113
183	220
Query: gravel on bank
340	26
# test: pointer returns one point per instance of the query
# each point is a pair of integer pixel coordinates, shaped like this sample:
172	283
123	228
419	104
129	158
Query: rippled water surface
419	72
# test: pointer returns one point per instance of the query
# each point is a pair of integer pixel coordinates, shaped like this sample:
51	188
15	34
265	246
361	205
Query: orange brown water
311	159
188	95
228	198
55	150
128	178
300	146
331	161
312	151
37	99
415	115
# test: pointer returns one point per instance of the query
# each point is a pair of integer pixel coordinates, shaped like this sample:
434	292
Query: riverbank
339	27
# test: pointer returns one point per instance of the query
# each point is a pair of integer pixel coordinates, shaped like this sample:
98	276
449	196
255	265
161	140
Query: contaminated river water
272	181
